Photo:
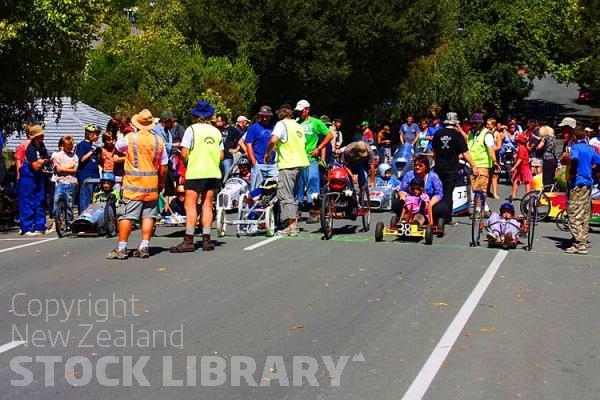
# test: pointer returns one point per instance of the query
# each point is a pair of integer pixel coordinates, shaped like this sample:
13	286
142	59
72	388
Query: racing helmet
108	176
337	179
92	128
269	185
416	182
507	207
383	168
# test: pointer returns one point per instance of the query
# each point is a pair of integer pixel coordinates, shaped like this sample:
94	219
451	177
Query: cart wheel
270	221
326	217
477	217
393	221
441	225
60	218
562	221
532	219
366	208
379	231
541	202
110	216
221	223
429	234
242	214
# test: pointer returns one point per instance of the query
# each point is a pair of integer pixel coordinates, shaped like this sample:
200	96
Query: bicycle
542	201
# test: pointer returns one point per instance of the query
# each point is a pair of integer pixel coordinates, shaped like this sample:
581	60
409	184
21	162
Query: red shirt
523	154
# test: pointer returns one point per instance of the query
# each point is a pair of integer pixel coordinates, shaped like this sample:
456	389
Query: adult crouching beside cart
433	188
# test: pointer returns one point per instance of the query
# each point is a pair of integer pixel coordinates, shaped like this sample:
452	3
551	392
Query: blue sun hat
202	109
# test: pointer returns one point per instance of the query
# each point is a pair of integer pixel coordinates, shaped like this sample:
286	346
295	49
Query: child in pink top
416	203
521	171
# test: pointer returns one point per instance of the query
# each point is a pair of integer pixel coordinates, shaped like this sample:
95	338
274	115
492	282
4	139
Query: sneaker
116	254
492	236
142	252
577	249
452	223
289	232
32	234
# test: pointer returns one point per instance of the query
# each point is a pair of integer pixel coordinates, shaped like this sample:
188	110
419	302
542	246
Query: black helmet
416	181
92	128
507	207
243	161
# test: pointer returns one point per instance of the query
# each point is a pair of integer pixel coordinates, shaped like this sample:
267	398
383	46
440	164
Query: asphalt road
531	331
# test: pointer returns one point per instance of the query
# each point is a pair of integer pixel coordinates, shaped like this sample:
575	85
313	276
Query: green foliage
153	67
43	48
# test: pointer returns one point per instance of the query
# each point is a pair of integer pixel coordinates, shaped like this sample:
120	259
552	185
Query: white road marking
11	345
259	244
28	244
421	384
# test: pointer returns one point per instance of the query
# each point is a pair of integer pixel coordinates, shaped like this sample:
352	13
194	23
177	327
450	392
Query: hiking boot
117	254
142	252
186	246
207	244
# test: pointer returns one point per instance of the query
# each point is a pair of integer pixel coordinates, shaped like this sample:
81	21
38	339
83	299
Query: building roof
73	119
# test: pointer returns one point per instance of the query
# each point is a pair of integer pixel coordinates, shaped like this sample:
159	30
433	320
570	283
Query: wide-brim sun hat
35	131
477	118
143	120
265	111
452	119
202	109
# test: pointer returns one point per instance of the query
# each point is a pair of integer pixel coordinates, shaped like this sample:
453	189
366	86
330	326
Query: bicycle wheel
542	204
326	217
242	215
60	218
562	221
110	216
366	209
477	217
532	221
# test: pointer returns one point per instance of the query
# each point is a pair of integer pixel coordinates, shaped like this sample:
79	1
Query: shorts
203	184
481	181
133	210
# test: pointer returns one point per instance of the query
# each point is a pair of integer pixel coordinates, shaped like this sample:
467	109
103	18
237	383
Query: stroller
258	212
235	186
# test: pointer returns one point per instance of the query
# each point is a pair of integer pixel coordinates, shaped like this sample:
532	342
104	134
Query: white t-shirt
279	131
123	146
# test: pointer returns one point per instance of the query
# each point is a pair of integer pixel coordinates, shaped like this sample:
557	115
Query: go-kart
380	197
341	200
233	188
403	229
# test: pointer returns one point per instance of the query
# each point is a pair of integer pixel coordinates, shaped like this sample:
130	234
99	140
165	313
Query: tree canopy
357	60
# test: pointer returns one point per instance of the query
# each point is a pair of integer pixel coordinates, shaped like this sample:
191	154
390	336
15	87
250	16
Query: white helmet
382	169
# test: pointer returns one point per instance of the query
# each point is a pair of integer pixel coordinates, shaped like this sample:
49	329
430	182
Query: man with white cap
318	137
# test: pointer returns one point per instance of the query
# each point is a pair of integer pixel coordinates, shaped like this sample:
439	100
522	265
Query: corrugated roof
73	118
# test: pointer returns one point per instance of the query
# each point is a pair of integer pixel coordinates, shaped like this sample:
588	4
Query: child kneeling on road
503	228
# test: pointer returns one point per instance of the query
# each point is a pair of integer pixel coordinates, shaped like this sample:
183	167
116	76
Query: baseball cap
301	105
568	121
242	118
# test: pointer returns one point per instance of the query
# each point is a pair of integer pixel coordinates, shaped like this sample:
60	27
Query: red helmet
338	179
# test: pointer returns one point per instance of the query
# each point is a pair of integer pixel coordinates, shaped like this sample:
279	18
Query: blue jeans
66	191
261	172
226	166
86	190
308	183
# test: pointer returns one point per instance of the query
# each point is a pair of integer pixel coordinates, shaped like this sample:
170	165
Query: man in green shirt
317	137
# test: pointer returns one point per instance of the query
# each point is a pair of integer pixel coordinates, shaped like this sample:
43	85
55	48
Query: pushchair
258	212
